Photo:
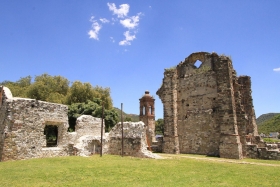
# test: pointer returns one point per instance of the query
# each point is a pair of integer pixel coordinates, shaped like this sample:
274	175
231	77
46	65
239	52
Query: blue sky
125	45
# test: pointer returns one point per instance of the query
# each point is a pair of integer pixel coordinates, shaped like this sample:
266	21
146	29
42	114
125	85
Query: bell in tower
147	115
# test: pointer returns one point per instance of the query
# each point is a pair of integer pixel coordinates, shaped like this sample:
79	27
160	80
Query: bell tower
147	115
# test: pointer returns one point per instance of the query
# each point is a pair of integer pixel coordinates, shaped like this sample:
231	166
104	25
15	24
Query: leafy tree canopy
18	88
57	89
49	88
159	126
82	98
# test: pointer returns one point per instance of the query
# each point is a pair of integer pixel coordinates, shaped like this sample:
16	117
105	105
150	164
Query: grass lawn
127	171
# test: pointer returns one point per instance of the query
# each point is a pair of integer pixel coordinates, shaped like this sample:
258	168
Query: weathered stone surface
134	140
207	109
88	135
87	124
22	124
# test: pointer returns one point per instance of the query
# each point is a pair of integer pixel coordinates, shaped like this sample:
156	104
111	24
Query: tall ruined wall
247	102
168	95
22	128
203	107
197	93
230	145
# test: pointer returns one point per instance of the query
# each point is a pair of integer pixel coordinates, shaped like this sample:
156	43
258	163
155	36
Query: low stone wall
135	143
23	122
270	152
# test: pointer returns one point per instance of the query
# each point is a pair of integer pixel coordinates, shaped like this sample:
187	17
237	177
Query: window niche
51	133
197	64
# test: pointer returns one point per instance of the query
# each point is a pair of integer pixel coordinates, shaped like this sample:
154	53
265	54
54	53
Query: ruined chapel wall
24	123
230	146
247	102
168	95
198	131
200	108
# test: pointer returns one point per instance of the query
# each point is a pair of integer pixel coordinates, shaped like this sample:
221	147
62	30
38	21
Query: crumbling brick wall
207	109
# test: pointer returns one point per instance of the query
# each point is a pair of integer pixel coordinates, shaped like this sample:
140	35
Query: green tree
80	93
159	126
104	95
20	87
127	119
49	88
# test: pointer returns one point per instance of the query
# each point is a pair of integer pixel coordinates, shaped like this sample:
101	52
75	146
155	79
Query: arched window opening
144	110
150	110
197	64
51	132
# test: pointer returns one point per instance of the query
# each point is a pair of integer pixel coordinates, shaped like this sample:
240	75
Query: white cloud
276	69
120	15
131	22
121	12
112	39
104	20
95	28
128	38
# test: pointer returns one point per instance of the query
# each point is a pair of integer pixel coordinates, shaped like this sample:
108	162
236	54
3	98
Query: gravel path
216	159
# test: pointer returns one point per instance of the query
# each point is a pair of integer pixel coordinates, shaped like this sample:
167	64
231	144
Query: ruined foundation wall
134	140
3	118
87	140
22	128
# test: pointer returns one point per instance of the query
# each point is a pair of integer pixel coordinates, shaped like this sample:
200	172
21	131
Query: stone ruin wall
22	128
207	110
86	138
22	123
135	142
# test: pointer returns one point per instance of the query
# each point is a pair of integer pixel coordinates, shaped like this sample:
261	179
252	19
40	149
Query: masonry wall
135	143
207	109
22	128
87	135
